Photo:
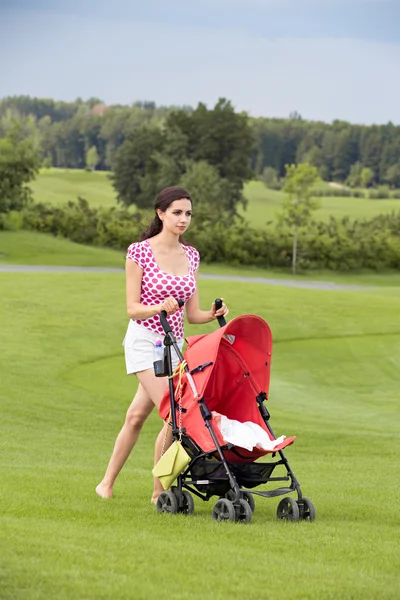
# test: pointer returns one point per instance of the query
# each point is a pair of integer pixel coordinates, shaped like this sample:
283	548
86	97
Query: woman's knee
135	418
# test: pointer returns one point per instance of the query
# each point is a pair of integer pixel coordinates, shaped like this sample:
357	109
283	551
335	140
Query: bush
76	221
328	192
339	244
11	221
379	193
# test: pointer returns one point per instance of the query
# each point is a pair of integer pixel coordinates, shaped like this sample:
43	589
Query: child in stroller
216	406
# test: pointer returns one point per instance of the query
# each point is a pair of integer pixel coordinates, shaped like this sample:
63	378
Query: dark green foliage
69	129
152	158
19	163
136	165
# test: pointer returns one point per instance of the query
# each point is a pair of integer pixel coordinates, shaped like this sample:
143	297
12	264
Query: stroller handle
218	305
163	318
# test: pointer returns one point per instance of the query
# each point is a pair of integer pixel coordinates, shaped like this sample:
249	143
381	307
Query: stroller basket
216	481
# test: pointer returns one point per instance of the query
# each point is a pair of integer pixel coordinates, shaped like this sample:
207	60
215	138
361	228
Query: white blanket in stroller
245	435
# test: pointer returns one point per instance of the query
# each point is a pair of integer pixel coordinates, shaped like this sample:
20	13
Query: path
315	285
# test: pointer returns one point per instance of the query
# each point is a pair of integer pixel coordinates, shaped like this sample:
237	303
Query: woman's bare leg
136	415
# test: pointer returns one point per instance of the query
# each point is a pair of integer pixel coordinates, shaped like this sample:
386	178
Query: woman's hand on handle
170	305
222	312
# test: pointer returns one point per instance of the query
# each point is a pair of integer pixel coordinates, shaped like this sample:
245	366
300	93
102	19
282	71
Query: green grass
32	248
263	204
57	186
335	381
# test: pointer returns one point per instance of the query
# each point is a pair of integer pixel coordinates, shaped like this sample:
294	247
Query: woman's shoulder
138	245
138	251
191	250
194	256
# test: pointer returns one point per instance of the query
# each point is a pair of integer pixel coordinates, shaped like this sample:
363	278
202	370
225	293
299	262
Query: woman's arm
196	316
134	308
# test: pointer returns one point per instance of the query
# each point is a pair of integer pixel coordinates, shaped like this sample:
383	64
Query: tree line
210	152
88	134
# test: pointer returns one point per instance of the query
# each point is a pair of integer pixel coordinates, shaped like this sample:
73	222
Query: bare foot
154	499
103	491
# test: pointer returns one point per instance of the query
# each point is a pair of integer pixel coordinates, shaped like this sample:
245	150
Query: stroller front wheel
288	510
244	495
306	509
224	510
244	514
188	502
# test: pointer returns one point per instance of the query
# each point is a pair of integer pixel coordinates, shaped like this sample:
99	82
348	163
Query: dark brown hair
164	199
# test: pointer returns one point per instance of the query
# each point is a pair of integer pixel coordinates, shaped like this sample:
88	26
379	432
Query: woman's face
177	217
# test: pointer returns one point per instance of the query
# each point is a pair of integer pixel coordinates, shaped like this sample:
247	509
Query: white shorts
139	345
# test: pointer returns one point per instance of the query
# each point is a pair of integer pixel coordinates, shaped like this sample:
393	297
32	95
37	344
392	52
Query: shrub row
376	193
339	244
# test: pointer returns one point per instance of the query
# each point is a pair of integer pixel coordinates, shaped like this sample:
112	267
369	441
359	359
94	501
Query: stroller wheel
224	510
306	509
244	513
249	499
188	503
167	503
243	494
288	510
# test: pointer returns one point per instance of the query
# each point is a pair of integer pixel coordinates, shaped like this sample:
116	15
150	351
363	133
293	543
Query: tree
19	163
366	177
222	138
270	178
346	153
210	193
354	178
92	158
136	165
392	176
313	157
299	203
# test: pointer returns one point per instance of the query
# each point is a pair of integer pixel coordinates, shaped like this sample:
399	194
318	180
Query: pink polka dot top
158	285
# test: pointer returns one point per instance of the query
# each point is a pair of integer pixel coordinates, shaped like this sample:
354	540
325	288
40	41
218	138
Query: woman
159	271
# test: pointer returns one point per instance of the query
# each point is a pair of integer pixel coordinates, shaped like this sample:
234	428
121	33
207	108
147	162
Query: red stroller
226	373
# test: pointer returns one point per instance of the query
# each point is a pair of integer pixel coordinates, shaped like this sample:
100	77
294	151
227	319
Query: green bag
171	464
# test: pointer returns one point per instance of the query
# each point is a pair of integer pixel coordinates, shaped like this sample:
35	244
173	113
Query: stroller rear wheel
167	503
288	510
224	510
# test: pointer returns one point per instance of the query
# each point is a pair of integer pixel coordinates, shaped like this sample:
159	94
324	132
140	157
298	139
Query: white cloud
320	78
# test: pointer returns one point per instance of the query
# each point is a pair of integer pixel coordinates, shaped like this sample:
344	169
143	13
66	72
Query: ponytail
153	229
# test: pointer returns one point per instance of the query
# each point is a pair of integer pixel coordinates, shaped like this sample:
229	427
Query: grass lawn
263	205
335	382
32	248
57	186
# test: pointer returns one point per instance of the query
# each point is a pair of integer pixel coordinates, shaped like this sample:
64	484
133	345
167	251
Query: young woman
160	270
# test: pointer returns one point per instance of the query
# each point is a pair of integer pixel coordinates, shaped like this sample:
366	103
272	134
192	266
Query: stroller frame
235	503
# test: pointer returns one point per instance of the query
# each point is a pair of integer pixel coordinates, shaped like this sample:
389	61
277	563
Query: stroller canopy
246	340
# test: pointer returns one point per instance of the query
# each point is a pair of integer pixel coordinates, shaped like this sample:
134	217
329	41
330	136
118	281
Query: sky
327	60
